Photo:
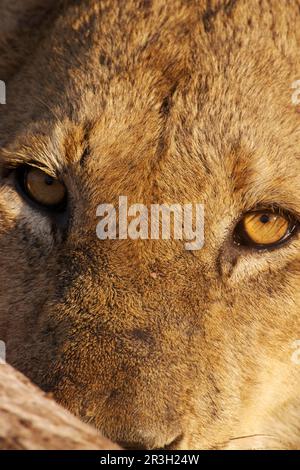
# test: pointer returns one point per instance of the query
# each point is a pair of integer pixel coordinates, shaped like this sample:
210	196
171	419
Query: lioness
164	102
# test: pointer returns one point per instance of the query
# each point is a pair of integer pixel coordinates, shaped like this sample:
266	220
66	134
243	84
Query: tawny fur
162	101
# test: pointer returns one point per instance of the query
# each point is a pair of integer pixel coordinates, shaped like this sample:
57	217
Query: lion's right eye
42	189
264	229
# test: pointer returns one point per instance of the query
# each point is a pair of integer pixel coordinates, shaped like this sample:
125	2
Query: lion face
156	345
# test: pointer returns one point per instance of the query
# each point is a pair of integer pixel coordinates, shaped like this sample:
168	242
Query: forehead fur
154	89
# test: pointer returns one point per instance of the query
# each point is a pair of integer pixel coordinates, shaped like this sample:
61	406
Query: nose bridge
131	321
127	286
135	225
140	220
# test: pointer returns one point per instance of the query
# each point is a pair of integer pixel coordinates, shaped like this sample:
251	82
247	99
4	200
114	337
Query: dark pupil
48	180
264	219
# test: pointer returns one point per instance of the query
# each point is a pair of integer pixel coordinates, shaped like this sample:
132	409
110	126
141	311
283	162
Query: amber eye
263	229
42	188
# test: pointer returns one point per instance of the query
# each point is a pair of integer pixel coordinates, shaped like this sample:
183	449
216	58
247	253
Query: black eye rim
21	173
242	239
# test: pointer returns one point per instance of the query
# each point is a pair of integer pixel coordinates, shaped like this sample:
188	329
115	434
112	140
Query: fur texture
162	101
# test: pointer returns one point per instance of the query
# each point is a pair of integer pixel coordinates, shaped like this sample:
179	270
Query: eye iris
44	189
265	229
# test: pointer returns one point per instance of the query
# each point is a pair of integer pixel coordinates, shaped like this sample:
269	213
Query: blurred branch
31	420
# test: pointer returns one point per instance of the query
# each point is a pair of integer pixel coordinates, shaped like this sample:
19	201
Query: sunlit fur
163	101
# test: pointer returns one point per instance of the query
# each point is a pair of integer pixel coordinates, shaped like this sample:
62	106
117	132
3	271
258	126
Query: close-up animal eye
264	229
42	189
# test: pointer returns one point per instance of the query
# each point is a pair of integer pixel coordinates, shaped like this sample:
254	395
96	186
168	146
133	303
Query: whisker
251	435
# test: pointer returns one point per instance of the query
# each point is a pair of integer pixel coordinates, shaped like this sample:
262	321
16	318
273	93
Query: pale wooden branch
31	420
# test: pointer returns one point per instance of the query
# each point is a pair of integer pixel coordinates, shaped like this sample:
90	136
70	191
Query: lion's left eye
47	192
264	229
